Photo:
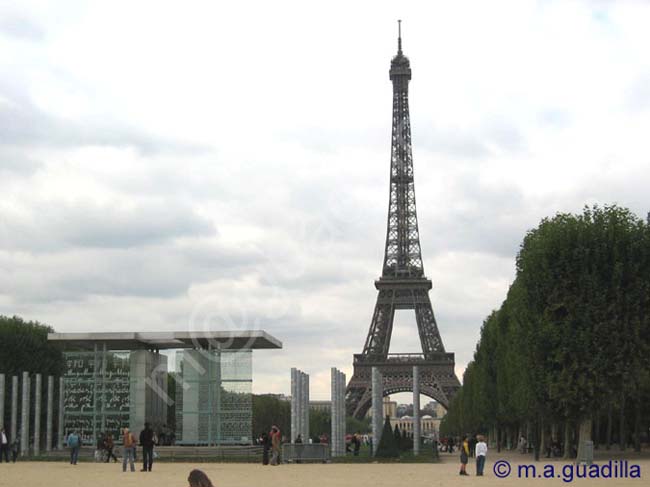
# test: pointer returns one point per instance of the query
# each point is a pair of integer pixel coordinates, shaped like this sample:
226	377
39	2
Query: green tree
269	410
24	348
388	445
572	334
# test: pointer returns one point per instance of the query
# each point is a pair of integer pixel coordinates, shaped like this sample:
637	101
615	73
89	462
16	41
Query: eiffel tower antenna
402	284
399	37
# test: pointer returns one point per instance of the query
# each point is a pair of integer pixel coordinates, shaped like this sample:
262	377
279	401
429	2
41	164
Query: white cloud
228	163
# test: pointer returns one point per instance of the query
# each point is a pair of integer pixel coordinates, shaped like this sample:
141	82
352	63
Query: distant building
390	408
324	406
434	409
429	426
280	397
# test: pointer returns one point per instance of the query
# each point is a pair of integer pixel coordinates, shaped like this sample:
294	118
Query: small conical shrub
388	447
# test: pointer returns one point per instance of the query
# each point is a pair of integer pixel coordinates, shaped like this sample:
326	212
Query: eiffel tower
402	284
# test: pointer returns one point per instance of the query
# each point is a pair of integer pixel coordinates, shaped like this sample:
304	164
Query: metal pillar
37	414
299	416
61	425
2	400
377	408
95	370
294	404
24	423
341	413
416	410
50	412
14	407
337	439
299	405
305	411
334	396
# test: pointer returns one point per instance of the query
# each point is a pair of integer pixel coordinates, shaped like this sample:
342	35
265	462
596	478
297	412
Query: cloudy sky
191	165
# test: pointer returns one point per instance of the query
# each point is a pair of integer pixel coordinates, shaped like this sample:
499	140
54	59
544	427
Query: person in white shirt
4	445
481	452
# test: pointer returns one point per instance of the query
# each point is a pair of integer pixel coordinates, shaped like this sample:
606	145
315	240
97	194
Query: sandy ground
57	474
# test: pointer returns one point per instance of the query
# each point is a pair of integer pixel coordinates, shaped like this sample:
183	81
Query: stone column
14	407
24	423
377	408
37	414
416	410
2	400
294	404
61	430
50	412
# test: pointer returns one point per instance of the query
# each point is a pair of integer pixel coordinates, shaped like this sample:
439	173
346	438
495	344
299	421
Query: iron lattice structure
402	284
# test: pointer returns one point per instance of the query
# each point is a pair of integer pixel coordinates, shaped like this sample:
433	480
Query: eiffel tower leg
427	326
381	327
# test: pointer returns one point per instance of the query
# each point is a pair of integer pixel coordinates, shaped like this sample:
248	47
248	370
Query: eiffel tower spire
403	256
399	37
402	284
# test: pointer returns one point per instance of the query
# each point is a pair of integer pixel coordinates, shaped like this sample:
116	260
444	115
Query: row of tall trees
568	352
24	348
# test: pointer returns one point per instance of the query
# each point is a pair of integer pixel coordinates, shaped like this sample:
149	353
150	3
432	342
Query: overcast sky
192	165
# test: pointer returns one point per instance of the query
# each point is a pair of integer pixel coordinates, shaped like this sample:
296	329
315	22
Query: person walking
101	447
198	478
74	443
275	445
128	450
15	447
266	446
109	444
472	445
356	441
4	446
464	455
481	453
522	444
147	442
298	448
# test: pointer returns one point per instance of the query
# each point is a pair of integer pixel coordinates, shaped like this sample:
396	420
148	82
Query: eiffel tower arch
402	284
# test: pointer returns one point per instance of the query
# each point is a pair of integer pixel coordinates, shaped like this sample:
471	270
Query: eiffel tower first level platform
437	378
402	284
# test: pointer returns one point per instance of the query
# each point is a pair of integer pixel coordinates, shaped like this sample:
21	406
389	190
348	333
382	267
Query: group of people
480	450
106	444
271	443
7	445
353	443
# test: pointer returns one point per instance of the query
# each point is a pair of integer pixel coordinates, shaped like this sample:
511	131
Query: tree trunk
528	435
637	425
610	424
597	431
508	438
499	434
554	432
567	440
621	426
542	437
535	432
583	436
